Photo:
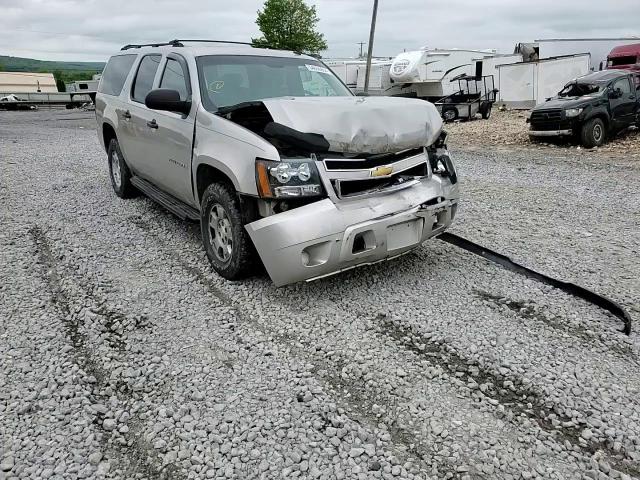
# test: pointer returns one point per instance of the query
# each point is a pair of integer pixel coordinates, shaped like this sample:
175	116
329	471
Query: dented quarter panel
231	149
361	124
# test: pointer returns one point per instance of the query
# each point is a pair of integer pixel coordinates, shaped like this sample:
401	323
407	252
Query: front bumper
324	237
550	133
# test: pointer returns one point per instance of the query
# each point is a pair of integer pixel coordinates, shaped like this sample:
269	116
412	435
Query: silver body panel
316	239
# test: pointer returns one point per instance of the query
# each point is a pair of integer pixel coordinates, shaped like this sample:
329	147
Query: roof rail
173	43
179	43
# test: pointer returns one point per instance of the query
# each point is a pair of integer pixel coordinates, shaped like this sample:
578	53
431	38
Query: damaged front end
360	180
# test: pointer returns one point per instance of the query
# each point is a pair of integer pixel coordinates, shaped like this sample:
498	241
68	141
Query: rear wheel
449	114
593	133
225	239
119	172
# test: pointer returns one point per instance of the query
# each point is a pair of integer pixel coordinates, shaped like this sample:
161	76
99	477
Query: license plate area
404	234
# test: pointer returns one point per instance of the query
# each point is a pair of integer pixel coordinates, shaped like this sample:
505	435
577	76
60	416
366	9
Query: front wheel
593	133
225	239
449	114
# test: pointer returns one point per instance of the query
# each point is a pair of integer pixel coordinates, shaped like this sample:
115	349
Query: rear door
171	167
139	139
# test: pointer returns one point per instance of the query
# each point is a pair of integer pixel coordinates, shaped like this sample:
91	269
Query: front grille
546	119
350	188
370	161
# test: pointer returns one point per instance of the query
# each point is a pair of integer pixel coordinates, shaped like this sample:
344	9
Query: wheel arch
206	174
602	115
108	133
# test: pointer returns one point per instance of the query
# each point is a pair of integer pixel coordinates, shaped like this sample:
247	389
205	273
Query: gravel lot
124	356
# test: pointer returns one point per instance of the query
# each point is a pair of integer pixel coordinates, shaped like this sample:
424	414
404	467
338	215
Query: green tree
290	25
2	67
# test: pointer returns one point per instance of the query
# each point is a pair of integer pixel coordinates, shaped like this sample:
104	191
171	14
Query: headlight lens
287	179
572	112
441	164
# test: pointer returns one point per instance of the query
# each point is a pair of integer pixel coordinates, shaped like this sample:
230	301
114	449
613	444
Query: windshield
228	80
576	89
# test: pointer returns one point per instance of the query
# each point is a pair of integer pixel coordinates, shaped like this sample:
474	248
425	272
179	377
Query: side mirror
167	100
617	93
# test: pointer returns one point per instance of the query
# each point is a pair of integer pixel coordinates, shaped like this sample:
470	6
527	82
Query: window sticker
317	68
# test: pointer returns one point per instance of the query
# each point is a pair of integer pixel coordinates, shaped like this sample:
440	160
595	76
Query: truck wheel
449	114
225	240
593	133
486	112
119	172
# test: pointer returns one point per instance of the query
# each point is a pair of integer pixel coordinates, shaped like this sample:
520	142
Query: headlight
287	179
572	112
441	164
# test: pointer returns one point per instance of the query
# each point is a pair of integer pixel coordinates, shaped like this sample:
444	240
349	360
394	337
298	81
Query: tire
486	112
224	237
449	114
593	133
119	172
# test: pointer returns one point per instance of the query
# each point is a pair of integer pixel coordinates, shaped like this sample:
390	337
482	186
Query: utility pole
370	52
361	45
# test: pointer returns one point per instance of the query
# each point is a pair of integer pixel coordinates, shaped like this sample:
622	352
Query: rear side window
143	82
174	78
115	74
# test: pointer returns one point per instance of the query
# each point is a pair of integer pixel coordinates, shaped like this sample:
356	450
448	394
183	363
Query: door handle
152	124
126	115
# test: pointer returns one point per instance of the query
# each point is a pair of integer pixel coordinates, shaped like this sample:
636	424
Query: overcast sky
93	29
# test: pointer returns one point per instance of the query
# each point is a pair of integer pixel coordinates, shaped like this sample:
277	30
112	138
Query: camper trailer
430	74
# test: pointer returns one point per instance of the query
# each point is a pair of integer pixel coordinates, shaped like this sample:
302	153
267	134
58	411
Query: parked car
591	108
275	157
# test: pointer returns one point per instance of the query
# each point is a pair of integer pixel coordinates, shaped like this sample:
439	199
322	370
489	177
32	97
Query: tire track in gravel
509	392
137	457
528	311
358	401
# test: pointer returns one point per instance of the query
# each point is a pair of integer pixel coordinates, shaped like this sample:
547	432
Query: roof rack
179	43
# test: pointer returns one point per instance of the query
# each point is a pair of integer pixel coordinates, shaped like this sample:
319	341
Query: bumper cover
324	237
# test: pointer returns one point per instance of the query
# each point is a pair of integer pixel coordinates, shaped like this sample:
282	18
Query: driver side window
623	85
174	78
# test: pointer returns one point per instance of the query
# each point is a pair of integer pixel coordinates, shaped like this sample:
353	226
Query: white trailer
428	73
598	48
527	84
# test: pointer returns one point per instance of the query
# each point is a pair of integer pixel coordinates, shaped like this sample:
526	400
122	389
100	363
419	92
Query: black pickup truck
590	108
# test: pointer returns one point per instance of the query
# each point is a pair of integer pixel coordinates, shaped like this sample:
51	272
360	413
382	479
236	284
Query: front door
623	107
171	168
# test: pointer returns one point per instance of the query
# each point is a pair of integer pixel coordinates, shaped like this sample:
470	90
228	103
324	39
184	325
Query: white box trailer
598	48
379	79
490	67
527	84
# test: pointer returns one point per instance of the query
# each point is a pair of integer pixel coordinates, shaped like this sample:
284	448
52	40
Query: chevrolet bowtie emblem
381	171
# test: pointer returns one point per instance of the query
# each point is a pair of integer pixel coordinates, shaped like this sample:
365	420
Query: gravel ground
123	355
508	128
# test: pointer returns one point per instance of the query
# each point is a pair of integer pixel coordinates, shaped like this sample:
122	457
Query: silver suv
274	156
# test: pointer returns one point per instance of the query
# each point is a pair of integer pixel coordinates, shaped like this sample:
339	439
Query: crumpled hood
360	124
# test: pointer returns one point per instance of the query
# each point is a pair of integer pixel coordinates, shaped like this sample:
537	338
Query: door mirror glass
617	93
167	100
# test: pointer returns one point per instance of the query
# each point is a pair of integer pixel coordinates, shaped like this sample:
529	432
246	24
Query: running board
568	287
171	203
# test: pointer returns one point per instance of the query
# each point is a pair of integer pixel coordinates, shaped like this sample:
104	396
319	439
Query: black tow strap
570	288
